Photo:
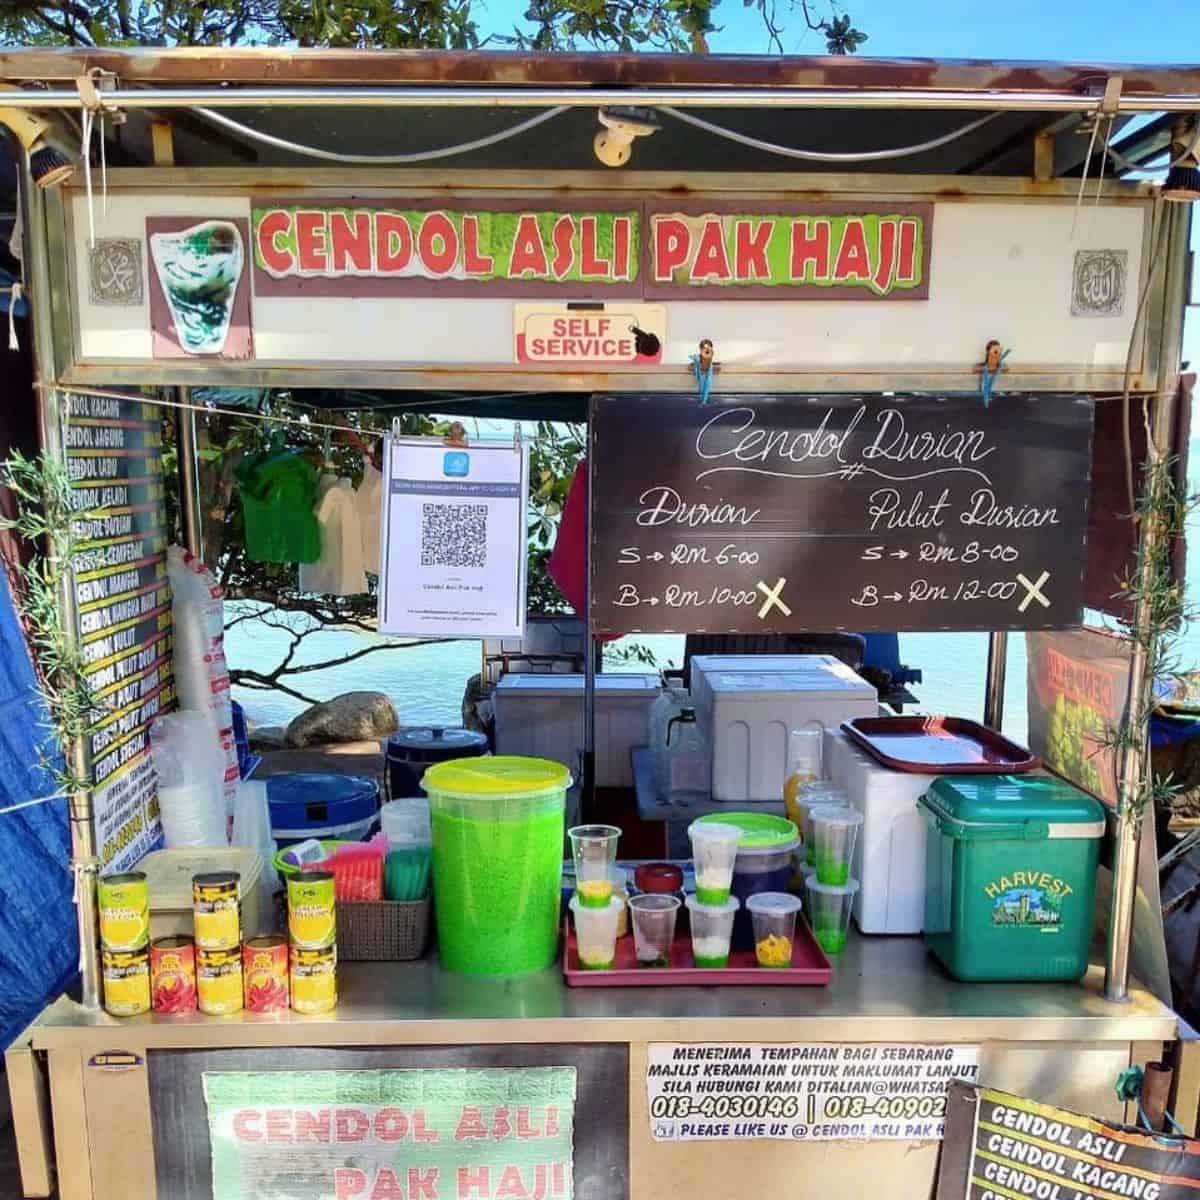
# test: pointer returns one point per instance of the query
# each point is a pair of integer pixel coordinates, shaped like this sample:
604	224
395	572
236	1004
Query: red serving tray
809	966
939	746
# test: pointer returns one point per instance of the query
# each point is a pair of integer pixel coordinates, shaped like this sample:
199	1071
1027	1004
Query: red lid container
663	878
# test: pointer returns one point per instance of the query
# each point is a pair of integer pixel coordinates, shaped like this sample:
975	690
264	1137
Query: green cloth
278	490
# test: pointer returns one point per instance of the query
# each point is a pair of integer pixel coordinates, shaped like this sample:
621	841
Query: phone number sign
815	1091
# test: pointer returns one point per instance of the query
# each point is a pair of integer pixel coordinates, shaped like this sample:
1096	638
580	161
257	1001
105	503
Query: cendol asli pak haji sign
474	1134
637	249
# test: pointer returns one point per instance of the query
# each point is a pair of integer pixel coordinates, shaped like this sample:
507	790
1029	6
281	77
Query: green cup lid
760	831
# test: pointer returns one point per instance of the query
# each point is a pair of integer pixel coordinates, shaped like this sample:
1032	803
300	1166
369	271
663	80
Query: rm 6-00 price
725	1106
839	1107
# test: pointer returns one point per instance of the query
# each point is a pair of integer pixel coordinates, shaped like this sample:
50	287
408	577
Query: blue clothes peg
704	367
989	369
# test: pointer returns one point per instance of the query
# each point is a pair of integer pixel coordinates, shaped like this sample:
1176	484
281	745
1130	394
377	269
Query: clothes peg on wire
993	363
704	367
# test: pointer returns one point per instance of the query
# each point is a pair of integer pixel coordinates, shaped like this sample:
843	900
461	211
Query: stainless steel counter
883	989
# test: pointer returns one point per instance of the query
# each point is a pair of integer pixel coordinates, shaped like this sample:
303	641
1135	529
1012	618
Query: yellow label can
216	911
314	979
124	904
312	922
219	981
126	982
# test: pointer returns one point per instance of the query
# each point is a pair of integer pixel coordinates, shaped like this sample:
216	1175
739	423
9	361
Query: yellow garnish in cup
774	951
595	893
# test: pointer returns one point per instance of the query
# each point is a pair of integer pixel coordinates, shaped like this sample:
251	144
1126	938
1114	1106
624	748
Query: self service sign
590	335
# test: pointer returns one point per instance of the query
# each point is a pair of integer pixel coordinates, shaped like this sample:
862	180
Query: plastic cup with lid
594	849
405	822
714	851
835	831
712	927
653	917
829	906
817	795
774	917
596	933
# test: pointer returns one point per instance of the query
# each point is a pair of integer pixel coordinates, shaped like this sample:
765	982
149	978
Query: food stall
970	302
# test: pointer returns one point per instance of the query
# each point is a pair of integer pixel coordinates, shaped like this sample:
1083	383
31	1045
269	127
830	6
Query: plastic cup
594	849
829	906
714	850
653	928
712	927
596	933
774	917
835	830
817	795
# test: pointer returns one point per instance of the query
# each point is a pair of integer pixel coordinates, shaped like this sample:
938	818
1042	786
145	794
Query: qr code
454	535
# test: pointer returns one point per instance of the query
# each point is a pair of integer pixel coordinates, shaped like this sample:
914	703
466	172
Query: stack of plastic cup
811	797
653	917
712	928
829	906
774	917
835	831
594	849
596	932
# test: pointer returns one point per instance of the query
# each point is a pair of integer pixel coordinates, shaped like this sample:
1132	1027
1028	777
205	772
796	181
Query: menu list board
1003	1147
114	460
780	514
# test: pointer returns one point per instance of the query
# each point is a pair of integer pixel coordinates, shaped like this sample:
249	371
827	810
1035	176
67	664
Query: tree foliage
626	25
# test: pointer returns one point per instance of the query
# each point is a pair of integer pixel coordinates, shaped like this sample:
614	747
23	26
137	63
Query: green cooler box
1010	876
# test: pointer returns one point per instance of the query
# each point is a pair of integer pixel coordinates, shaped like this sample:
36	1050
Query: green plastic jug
1010	877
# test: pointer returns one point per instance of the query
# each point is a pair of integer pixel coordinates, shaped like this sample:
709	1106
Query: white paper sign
453	539
819	1091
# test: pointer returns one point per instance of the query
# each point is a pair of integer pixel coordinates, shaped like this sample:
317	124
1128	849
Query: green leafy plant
42	490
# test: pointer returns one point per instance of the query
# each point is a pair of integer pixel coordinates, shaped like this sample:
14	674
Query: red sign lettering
524	1128
672	242
810	249
712	261
474	1181
853	260
352	1125
528	253
622	238
310	241
393	242
906	270
245	1126
391	1125
387	1186
590	261
279	1125
422	1185
887	255
313	1127
750	243
564	248
437	243
273	226
348	1182
470	1125
474	262
511	1185
420	1133
350	245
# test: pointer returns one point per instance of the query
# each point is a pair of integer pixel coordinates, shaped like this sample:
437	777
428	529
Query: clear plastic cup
653	917
594	849
596	933
712	927
829	906
774	917
714	849
835	830
812	796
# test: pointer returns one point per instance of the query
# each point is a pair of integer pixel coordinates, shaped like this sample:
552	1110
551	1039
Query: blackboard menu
1000	1147
779	514
114	460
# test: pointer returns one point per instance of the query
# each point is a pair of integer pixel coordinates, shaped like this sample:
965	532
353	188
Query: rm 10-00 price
884	1107
725	1106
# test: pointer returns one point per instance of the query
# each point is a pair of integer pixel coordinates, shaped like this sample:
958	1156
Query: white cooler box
542	716
748	714
889	859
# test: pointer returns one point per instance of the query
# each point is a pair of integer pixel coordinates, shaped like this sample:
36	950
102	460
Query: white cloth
339	570
369	498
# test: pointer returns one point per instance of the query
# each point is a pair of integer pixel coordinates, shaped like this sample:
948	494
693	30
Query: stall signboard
1003	1147
453	538
583	335
119	536
787	514
802	1091
504	1133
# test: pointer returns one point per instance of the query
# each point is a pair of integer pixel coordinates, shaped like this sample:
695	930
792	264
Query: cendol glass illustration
199	269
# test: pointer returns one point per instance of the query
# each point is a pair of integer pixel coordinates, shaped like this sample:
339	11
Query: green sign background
275	1134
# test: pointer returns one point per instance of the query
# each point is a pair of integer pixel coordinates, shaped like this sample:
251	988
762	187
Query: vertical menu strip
119	528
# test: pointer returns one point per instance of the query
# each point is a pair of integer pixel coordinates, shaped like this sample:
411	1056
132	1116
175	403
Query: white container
749	714
405	822
542	716
670	703
169	879
889	859
773	664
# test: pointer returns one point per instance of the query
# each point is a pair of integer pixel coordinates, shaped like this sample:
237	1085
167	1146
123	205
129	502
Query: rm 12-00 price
725	1106
884	1107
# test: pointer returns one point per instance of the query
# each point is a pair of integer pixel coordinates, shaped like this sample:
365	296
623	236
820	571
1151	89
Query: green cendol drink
498	826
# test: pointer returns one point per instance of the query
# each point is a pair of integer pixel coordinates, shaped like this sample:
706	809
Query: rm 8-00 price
733	1107
839	1107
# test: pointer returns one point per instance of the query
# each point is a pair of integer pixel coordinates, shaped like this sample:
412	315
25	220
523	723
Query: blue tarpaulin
39	948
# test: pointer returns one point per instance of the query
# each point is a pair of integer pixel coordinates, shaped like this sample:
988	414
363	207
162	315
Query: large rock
267	737
354	717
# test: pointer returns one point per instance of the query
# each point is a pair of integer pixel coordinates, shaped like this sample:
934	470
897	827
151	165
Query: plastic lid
169	873
834	889
841	815
717	831
773	902
309	787
435	744
760	831
730	905
658	878
499	776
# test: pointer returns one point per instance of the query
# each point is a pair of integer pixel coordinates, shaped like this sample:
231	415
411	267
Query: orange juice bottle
804	766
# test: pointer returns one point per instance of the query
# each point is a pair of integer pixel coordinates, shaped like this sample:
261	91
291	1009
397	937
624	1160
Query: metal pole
1133	764
84	863
997	664
189	476
589	97
588	788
